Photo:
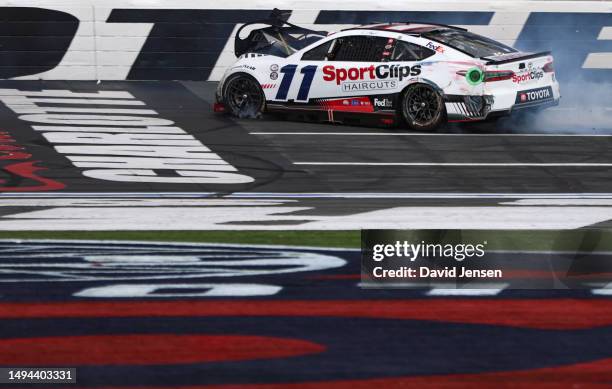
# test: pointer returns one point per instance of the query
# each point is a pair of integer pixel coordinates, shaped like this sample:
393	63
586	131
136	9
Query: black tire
422	107
243	96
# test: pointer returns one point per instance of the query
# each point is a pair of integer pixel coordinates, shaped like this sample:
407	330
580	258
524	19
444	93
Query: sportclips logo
370	77
528	76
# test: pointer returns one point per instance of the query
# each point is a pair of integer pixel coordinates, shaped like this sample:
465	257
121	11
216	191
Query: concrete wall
193	40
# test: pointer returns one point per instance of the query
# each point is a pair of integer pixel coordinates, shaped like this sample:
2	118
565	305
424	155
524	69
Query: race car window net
469	43
319	53
406	51
358	49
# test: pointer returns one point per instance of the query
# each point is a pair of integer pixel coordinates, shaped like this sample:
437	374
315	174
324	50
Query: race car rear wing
514	57
280	38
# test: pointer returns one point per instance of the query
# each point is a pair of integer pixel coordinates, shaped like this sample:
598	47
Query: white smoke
585	107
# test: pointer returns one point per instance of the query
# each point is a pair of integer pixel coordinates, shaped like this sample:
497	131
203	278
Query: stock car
420	74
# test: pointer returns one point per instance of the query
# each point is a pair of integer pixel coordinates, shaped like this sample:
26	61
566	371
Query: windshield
470	43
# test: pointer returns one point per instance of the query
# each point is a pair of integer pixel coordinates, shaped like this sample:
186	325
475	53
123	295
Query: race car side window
406	51
358	48
319	53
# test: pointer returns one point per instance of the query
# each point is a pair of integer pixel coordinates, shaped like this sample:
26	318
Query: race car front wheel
422	107
243	96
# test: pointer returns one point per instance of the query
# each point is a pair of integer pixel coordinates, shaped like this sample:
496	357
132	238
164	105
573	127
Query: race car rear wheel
422	107
243	96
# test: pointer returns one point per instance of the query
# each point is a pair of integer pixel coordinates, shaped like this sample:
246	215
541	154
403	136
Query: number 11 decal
308	72
288	73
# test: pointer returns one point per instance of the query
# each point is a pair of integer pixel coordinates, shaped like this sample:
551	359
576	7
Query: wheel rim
243	96
422	105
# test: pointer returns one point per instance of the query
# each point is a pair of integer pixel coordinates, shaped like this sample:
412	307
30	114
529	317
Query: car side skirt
377	110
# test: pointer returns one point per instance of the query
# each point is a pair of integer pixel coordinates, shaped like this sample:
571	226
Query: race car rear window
358	48
470	43
406	51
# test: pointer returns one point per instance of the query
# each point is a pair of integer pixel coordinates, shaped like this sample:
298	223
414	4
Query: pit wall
193	40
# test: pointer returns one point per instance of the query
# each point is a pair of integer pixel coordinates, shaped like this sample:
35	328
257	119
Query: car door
300	75
350	68
334	68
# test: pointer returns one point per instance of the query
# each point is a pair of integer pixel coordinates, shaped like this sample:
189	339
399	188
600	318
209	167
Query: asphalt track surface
295	157
512	156
322	176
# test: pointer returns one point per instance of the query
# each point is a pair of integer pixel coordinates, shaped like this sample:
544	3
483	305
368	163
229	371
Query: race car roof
405	27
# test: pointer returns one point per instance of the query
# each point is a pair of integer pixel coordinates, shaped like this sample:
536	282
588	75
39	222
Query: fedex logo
434	47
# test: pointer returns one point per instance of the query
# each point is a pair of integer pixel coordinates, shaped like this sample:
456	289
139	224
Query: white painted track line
457	164
576	108
583	202
474	290
427	134
346	195
605	291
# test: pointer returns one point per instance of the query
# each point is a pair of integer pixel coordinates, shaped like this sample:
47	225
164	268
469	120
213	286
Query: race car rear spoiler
514	57
278	28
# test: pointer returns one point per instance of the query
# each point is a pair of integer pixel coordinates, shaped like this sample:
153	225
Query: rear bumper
535	106
473	108
467	108
510	96
485	113
523	108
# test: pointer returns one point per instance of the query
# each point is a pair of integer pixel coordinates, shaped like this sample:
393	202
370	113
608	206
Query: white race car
421	74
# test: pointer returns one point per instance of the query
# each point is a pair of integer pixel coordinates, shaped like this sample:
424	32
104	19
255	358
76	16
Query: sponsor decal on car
368	86
356	104
380	72
383	102
533	95
249	67
438	48
529	75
